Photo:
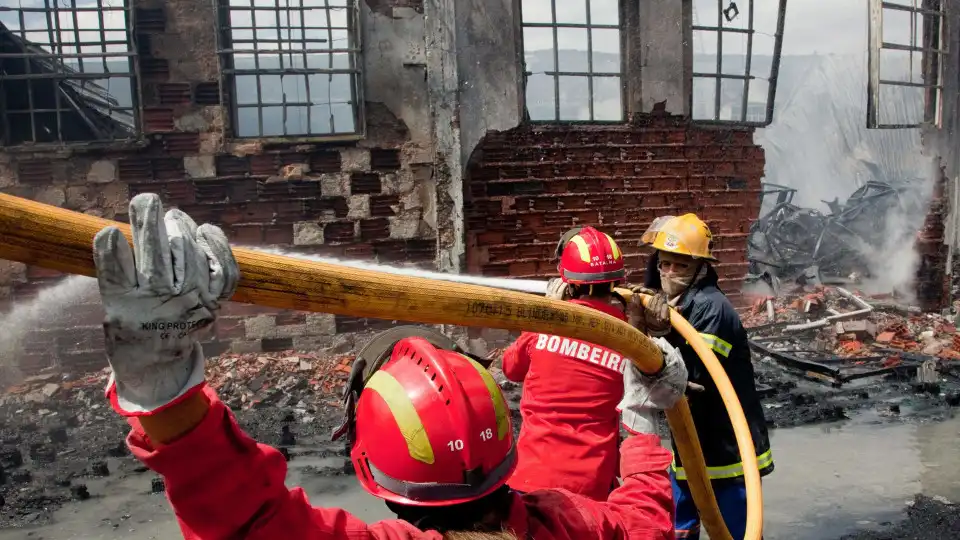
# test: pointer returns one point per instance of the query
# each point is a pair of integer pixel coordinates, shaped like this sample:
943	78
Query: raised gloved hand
157	298
653	319
643	394
557	289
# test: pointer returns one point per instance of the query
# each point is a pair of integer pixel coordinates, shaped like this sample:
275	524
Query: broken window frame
932	108
228	71
589	74
56	47
719	75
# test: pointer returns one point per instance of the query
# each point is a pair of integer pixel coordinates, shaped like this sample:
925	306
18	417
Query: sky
812	26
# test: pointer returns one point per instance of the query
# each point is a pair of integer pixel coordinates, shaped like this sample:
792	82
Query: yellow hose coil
54	238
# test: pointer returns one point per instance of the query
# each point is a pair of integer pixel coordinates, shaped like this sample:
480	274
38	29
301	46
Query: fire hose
57	239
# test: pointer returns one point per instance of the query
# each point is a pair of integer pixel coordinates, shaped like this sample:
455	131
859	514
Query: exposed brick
383	205
251	235
325	161
150	20
384	159
154	69
287	318
278	234
206	93
157	119
179	144
232	166
373	229
174	93
365	183
341	231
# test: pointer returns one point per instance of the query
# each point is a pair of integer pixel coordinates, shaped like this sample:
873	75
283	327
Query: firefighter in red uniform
429	429
571	389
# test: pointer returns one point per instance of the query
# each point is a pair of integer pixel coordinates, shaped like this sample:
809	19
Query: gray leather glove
642	394
558	290
653	319
157	298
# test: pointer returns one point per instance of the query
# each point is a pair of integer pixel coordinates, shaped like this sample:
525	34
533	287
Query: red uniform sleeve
223	484
642	507
516	359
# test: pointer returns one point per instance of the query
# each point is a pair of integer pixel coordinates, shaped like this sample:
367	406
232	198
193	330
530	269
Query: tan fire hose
54	238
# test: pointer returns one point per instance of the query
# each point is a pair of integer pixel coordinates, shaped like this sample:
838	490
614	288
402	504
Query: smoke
819	144
50	306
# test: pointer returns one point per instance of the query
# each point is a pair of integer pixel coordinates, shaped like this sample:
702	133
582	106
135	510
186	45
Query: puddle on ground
830	479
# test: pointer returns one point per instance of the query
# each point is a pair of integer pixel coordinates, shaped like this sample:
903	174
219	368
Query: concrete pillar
658	39
444	97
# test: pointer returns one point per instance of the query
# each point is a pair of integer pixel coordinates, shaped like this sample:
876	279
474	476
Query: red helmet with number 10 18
432	429
590	257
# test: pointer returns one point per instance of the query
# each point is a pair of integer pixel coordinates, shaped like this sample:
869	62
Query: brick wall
529	185
933	285
371	200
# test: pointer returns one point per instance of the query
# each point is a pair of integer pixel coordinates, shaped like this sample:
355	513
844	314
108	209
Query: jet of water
522	285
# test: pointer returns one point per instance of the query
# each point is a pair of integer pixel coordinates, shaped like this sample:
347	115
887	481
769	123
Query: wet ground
833	478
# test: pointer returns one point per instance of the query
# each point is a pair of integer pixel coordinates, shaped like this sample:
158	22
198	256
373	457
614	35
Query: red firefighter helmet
590	256
431	428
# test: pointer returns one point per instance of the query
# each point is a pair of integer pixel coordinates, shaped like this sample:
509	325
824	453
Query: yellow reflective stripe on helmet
582	248
613	247
499	405
397	400
764	460
718	345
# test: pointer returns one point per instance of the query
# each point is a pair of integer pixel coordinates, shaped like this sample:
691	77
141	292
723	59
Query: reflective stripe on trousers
764	460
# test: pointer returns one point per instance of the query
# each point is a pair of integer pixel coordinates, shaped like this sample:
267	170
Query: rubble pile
860	349
790	242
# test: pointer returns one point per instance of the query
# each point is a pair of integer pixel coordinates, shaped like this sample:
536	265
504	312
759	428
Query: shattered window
736	58
66	72
292	67
906	45
572	60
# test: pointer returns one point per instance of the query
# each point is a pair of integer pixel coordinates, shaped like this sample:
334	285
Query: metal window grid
295	48
932	49
746	116
49	95
590	75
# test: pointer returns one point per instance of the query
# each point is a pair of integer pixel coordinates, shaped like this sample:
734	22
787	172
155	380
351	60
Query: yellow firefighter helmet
683	235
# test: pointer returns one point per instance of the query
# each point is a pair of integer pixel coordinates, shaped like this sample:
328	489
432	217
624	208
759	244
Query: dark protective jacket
710	312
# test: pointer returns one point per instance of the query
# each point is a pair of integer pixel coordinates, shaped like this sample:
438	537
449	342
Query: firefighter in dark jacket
681	274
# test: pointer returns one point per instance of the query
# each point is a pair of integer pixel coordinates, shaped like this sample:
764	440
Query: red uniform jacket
222	484
571	426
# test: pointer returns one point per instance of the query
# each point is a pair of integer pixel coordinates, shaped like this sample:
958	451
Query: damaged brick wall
369	200
526	186
932	281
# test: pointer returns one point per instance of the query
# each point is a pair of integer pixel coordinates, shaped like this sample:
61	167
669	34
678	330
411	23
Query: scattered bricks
361	183
885	337
384	159
41	453
10	458
79	492
157	485
99	468
862	329
58	435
